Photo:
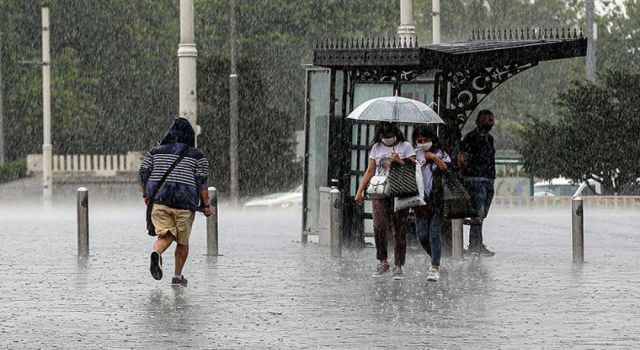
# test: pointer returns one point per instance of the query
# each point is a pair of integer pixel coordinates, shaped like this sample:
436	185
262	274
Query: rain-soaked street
269	291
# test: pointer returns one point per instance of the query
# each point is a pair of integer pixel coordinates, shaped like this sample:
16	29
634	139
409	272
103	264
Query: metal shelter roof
486	50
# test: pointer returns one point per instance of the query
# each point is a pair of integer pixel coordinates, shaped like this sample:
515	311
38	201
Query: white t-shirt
381	153
428	168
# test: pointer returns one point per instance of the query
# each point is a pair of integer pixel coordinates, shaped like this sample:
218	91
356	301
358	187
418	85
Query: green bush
13	170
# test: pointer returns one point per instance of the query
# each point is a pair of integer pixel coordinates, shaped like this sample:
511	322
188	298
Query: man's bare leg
163	242
182	251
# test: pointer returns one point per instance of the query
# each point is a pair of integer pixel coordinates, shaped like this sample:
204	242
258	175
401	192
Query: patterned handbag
457	201
402	180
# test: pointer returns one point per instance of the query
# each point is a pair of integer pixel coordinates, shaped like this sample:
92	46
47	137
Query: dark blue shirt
478	146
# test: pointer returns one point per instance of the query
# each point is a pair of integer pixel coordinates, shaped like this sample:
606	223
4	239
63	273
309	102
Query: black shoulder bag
151	230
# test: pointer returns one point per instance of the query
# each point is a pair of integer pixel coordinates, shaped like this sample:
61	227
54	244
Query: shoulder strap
168	172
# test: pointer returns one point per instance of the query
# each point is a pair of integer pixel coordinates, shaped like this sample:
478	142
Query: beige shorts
176	221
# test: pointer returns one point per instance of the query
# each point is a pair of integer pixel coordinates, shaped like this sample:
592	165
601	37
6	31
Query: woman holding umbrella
388	146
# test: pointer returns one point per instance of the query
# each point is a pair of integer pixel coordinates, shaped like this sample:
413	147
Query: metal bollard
457	238
336	222
83	222
577	229
212	223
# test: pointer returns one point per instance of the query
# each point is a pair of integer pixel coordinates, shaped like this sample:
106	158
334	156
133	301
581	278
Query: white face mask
425	146
389	140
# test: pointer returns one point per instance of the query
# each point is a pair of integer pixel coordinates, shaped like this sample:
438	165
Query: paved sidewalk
269	291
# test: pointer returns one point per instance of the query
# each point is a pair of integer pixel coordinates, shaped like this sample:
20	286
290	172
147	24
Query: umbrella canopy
395	109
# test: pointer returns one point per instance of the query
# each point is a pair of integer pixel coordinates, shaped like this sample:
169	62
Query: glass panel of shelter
317	124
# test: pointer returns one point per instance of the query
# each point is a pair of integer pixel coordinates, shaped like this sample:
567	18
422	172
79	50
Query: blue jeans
481	192
429	232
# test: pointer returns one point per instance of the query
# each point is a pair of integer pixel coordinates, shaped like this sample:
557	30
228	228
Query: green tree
595	133
265	152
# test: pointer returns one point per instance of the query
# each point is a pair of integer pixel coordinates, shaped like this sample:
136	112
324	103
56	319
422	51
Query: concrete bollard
457	239
212	223
83	222
336	222
577	229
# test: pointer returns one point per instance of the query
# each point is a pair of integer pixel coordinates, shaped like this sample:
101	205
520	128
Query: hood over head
180	131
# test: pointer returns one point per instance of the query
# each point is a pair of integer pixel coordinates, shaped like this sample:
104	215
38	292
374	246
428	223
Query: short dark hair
483	113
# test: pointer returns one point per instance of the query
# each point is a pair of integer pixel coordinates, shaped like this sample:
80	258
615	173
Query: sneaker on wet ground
397	273
381	269
156	265
179	281
481	250
434	275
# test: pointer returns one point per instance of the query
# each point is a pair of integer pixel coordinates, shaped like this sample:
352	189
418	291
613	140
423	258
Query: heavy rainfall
319	174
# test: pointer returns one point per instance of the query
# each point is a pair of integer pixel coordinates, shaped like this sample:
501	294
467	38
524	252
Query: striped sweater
181	188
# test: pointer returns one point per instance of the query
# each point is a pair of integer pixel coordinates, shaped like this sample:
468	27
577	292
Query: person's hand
146	200
207	211
359	199
396	157
430	156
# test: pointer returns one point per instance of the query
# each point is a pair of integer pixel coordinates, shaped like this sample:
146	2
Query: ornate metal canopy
472	68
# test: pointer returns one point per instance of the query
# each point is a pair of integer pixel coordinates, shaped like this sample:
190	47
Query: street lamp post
1	109
187	54
435	14
406	30
591	42
47	185
233	109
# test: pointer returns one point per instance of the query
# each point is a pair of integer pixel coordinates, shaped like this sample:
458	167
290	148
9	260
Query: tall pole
591	42
2	160
406	30
233	109
187	54
435	13
47	190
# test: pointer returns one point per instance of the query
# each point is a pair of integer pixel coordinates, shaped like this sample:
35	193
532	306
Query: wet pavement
270	291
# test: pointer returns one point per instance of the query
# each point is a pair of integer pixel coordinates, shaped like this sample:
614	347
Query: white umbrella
395	109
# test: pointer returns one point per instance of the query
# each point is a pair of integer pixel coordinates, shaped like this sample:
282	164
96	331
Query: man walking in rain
174	178
478	166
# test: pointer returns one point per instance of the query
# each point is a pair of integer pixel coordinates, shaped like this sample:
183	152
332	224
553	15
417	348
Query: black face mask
486	127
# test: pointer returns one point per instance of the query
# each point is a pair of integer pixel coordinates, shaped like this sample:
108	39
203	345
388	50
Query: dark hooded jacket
189	177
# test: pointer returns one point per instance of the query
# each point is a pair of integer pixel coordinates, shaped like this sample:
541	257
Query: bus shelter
453	78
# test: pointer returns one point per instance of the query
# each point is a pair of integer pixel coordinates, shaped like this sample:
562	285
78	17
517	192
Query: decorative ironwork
373	74
530	34
369	43
470	87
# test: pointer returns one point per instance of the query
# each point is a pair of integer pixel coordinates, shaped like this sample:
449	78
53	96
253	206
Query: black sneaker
156	265
481	250
179	281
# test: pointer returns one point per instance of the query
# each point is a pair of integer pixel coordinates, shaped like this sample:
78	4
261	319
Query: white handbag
378	187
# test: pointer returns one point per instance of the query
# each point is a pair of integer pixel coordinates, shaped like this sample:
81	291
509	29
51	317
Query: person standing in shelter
430	217
177	198
388	146
478	166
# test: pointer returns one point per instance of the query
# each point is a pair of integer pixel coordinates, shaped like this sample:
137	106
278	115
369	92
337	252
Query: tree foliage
115	69
596	132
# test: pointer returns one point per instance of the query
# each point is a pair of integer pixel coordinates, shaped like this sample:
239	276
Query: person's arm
436	160
462	161
409	152
465	151
204	198
202	175
144	173
368	174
